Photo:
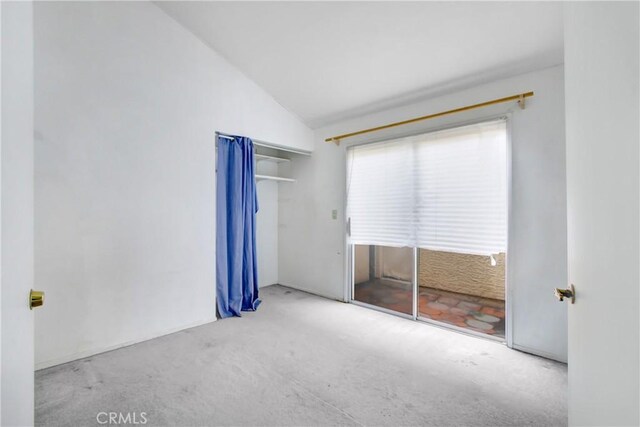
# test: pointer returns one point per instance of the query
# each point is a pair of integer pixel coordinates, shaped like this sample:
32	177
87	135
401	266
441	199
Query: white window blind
444	191
380	194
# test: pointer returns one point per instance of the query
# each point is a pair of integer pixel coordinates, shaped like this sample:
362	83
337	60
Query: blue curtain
236	207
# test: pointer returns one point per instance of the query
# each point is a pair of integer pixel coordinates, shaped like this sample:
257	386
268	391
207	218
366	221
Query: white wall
127	102
603	138
16	261
537	246
267	225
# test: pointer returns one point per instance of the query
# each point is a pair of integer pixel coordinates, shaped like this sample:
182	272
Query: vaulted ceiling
325	61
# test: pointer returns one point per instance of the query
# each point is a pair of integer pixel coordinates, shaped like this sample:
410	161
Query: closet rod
267	144
519	97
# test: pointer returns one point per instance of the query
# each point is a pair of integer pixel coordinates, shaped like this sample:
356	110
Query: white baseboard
313	292
91	352
535	352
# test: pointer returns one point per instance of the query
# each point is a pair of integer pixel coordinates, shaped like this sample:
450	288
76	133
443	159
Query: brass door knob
36	299
561	294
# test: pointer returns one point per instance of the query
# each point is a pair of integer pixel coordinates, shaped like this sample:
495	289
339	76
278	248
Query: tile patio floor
466	311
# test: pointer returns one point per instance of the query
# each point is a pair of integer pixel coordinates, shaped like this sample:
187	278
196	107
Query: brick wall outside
462	273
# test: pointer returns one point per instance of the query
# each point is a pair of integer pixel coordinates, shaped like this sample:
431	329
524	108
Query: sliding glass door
384	277
428	226
463	290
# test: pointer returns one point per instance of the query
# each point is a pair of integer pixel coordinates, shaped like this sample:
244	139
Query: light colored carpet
306	360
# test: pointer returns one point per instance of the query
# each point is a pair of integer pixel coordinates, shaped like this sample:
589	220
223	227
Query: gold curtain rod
520	98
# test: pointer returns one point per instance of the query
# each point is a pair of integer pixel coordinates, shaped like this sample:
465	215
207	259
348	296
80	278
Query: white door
601	77
16	392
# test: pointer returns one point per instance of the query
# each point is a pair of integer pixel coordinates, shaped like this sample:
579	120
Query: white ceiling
325	61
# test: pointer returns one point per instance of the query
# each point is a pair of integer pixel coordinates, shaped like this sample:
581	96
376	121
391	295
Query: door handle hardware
36	299
561	294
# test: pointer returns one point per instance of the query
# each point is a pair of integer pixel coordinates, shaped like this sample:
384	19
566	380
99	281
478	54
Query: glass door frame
415	314
351	285
349	279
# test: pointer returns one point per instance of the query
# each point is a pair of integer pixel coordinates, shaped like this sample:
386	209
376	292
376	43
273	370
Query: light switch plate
334	214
